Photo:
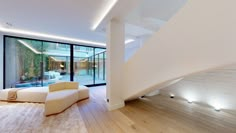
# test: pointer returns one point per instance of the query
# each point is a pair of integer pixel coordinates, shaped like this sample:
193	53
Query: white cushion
58	101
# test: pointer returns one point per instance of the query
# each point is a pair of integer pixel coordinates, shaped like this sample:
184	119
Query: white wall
1	60
200	36
114	63
131	48
215	88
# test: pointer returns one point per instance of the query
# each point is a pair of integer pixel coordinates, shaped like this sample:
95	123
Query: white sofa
38	94
59	101
60	97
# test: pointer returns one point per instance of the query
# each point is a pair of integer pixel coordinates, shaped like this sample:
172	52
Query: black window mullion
4	62
104	63
71	62
94	66
41	65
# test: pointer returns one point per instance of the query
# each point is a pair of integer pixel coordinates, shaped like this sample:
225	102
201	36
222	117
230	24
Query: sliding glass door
35	63
100	74
56	63
83	65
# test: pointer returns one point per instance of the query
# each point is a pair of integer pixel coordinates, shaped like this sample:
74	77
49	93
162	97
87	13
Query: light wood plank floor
157	114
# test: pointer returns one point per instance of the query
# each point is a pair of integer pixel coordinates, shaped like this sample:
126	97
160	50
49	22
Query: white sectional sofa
59	101
38	94
57	97
62	95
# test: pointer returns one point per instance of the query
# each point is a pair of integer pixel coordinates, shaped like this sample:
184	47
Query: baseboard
115	106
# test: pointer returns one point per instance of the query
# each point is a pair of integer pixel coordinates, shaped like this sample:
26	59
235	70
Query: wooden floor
158	114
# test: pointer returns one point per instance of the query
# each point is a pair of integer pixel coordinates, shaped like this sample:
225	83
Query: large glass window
83	65
34	63
100	75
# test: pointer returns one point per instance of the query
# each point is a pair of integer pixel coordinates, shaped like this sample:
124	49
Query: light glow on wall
104	13
190	101
29	33
172	95
216	104
190	96
129	41
24	32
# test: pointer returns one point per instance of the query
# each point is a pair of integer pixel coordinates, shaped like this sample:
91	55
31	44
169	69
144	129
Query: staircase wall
200	37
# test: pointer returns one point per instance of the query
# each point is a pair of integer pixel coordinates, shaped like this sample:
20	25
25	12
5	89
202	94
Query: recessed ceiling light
103	13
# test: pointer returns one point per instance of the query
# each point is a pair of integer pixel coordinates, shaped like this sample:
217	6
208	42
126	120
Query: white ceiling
68	18
74	18
150	15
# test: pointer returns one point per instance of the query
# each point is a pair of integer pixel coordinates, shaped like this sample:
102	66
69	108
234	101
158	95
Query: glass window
35	63
100	74
83	65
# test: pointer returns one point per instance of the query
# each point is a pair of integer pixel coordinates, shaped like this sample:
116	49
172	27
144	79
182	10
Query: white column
1	60
114	63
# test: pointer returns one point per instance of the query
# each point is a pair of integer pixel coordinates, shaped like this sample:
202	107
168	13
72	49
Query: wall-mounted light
172	96
190	101
217	103
142	96
217	109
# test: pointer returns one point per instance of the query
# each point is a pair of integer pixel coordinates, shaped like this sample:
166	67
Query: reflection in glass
83	65
56	59
33	63
100	76
22	63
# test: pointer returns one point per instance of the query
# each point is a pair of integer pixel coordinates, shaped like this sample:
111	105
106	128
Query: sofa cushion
63	86
56	87
71	85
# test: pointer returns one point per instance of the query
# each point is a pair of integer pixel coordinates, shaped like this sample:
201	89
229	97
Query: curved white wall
201	36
